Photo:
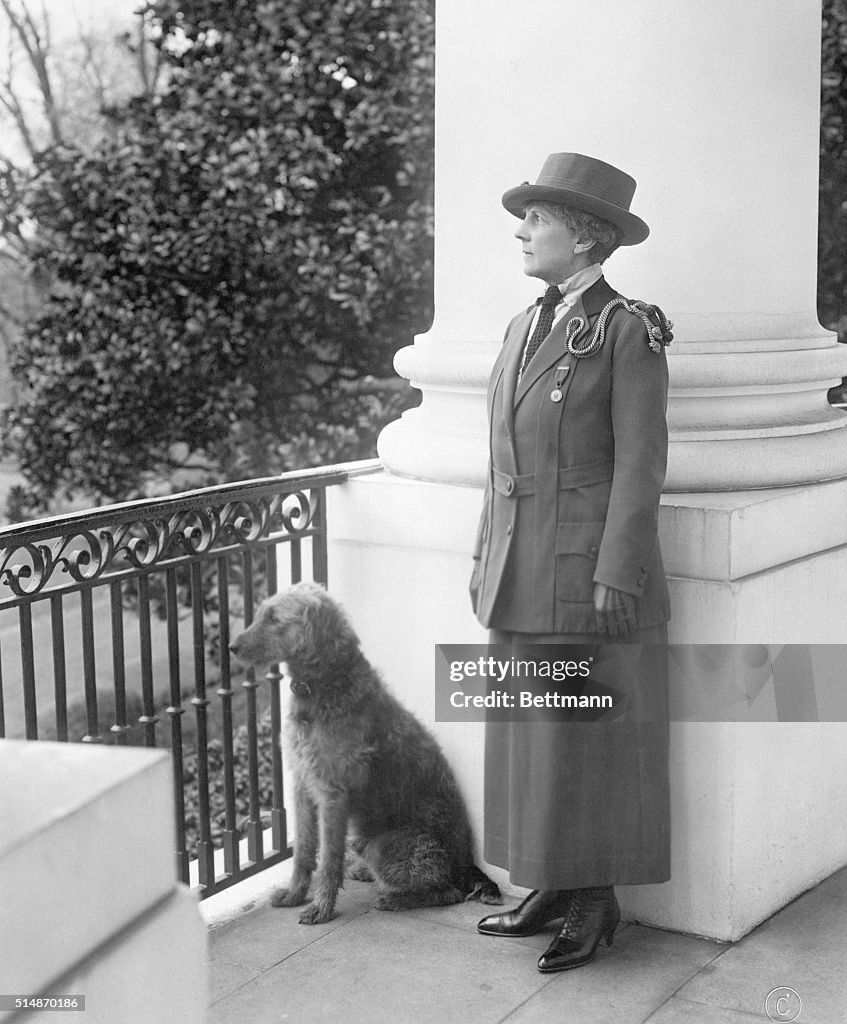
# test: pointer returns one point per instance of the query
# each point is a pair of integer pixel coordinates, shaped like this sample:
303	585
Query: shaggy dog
361	762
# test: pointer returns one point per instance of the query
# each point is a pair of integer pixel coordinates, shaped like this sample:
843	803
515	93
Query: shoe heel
610	936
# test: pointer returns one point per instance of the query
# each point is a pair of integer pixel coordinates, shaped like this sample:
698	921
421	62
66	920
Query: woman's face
551	249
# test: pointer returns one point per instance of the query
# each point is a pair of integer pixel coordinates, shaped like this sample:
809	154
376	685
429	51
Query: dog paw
390	901
315	914
487	897
485	893
360	873
288	898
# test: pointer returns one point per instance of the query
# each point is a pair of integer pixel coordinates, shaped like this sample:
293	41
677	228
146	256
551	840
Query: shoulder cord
658	334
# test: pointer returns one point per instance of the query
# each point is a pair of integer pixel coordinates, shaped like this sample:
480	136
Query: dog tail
478	886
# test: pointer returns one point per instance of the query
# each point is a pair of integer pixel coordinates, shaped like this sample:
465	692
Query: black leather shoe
529	917
593	914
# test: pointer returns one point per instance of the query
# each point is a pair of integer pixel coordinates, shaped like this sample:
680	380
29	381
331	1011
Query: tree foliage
58	83
249	243
832	260
58	80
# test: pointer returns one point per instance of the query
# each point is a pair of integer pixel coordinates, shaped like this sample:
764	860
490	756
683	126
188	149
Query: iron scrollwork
88	552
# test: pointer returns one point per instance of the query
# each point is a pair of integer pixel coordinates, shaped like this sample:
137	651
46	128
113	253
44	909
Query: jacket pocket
577	546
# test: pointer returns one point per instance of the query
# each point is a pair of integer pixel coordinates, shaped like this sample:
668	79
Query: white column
713	108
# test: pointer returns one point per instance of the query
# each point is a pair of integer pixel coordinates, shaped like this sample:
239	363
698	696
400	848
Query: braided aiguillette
659	328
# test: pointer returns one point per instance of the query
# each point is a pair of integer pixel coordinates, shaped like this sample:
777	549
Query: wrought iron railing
136	573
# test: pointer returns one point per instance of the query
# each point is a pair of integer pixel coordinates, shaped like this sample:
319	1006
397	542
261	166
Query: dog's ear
326	631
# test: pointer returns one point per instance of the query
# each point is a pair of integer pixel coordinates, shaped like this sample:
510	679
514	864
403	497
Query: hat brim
517	199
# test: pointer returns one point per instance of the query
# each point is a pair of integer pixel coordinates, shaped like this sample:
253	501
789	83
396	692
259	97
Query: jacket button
510	486
593	550
509	528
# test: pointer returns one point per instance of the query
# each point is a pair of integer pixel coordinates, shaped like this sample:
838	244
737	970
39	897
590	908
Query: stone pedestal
759	810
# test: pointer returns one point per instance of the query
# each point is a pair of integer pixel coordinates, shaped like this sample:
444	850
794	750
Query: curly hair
605	236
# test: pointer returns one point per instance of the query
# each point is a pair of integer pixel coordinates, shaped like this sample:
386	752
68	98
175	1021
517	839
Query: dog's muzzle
300	689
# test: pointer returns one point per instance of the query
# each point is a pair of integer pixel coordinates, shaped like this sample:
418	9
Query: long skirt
571	804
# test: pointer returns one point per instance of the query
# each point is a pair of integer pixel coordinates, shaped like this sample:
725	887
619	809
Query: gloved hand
614	611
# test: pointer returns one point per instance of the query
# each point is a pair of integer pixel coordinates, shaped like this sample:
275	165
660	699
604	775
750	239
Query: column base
755	418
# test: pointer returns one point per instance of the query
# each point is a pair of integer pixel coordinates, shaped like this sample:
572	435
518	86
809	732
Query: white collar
574	286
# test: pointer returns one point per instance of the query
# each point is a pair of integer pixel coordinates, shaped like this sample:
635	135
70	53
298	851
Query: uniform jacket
573	487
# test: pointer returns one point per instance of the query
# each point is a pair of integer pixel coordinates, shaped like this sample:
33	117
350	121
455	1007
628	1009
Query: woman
567	553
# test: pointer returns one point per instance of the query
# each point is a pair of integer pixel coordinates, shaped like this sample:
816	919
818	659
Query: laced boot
593	914
530	916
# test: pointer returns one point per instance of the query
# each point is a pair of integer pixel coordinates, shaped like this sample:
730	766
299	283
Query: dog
362	763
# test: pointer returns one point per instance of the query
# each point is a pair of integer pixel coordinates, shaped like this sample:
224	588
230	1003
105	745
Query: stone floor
432	966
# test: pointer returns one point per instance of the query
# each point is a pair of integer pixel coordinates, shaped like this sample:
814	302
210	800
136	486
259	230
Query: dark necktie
552	298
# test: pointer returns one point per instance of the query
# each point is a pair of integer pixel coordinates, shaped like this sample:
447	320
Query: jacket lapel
596	297
513	355
554	350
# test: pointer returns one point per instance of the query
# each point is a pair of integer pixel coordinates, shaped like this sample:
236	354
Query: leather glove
614	611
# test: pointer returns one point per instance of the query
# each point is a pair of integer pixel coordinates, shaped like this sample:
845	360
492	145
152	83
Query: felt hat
572	179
